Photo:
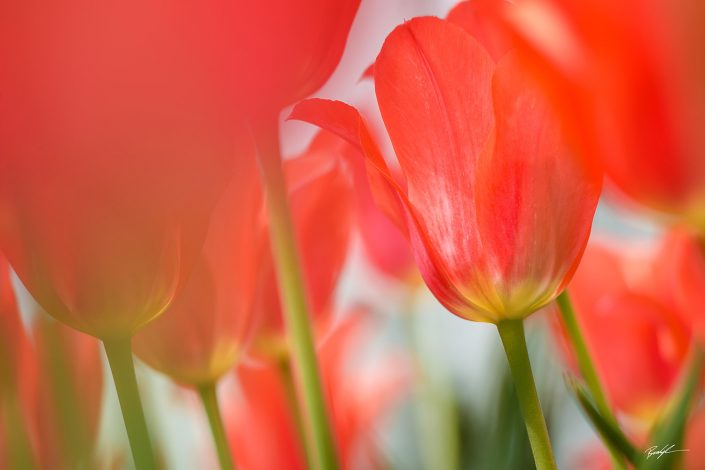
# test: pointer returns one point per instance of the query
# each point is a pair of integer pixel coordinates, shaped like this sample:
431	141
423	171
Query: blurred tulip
263	430
681	273
55	391
69	392
322	203
632	327
695	457
384	244
207	327
629	78
496	209
285	50
116	138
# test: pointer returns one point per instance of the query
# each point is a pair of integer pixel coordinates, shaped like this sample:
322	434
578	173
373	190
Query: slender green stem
209	397
119	354
287	378
512	334
587	368
291	288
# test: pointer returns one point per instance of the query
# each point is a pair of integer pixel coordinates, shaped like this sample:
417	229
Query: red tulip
496	209
630	78
55	388
68	397
681	272
207	327
116	138
383	243
285	50
631	326
263	432
322	204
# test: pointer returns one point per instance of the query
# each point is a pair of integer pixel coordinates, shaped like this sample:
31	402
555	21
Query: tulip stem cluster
512	334
209	397
291	287
119	354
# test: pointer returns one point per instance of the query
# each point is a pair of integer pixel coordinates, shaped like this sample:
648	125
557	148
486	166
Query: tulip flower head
629	76
208	326
114	153
495	207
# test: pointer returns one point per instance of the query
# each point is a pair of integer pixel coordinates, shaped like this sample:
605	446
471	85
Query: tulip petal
480	19
534	201
345	121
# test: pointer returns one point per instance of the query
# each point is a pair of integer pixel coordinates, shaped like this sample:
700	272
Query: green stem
119	354
294	408
512	334
18	442
291	288
210	403
587	368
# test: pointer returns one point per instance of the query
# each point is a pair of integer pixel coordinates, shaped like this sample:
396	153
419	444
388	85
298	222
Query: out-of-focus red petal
345	121
626	322
369	72
283	50
118	143
482	20
630	101
209	324
261	428
260	424
682	272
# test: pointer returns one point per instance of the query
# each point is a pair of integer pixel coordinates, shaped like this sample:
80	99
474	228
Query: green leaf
610	433
669	432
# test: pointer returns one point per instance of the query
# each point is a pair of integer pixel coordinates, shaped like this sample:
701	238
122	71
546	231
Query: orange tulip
116	138
629	77
263	432
496	209
207	327
322	203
